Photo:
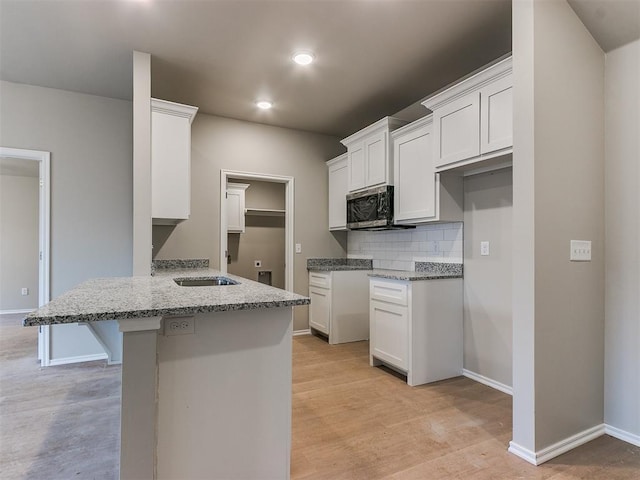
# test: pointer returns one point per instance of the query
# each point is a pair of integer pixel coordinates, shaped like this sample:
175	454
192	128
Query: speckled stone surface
433	267
338	264
428	271
139	297
181	263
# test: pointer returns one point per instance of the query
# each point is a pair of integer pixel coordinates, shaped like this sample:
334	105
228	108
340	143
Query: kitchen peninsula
206	372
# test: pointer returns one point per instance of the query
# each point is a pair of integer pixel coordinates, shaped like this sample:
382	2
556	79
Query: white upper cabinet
236	207
473	119
420	194
369	158
338	189
496	124
170	161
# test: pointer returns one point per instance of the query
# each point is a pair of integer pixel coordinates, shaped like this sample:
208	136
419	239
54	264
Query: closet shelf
264	212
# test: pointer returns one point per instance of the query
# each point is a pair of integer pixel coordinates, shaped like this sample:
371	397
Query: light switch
298	248
580	251
484	248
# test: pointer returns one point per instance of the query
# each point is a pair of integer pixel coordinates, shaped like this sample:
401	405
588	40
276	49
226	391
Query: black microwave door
364	209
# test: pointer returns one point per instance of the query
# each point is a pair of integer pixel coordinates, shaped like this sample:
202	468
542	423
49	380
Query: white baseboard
82	358
522	452
487	381
558	448
11	312
302	332
628	437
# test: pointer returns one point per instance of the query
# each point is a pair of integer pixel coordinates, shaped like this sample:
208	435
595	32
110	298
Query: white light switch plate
298	248
484	248
580	251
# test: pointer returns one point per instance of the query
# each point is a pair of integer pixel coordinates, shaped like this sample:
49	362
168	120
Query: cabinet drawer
320	279
392	291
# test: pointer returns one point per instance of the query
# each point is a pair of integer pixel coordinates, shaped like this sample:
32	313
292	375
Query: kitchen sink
204	281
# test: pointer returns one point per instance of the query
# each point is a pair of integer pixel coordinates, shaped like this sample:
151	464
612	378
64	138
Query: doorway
229	176
38	161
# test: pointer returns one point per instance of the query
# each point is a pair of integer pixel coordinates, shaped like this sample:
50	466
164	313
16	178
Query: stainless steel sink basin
204	281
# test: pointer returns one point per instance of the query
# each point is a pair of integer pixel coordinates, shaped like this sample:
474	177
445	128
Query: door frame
44	233
288	217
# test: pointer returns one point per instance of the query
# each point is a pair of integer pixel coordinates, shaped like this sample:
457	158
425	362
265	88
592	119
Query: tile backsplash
399	249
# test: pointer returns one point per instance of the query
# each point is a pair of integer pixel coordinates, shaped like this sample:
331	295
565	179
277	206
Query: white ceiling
374	57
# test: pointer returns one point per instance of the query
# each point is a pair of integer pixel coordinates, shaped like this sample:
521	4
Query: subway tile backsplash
399	249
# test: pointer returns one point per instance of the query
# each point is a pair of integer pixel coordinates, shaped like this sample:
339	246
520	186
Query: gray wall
90	140
263	238
558	306
488	205
18	242
622	198
221	143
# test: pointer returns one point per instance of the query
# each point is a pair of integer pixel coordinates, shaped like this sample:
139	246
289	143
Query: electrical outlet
179	326
24	291
298	248
484	248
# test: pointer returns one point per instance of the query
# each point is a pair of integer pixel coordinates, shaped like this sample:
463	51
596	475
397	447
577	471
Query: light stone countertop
412	276
139	297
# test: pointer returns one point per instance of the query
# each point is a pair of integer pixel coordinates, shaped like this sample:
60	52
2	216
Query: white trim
288	217
175	109
139	324
558	448
297	333
522	452
470	84
623	435
23	310
384	124
487	381
44	233
81	358
413	126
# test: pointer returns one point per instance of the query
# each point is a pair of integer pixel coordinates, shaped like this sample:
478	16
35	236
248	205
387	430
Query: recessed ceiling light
264	104
303	58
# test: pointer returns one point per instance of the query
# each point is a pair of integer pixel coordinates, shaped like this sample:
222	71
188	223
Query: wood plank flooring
350	421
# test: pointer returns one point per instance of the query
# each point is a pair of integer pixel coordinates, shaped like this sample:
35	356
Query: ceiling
373	57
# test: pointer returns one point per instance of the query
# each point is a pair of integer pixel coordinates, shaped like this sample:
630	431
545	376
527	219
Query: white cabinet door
456	129
356	166
497	115
236	207
338	189
376	157
170	161
170	172
389	333
415	178
320	309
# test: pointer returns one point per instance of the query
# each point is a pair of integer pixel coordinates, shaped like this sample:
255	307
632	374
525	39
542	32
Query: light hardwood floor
350	421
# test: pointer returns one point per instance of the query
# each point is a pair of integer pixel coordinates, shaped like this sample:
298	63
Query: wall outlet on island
179	326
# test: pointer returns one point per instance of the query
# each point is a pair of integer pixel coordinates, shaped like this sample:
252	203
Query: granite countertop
424	271
412	276
159	295
338	264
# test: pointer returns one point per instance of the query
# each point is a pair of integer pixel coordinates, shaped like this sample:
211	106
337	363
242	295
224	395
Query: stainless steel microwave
370	209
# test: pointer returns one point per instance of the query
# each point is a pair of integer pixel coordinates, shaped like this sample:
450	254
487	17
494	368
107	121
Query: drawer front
391	291
320	279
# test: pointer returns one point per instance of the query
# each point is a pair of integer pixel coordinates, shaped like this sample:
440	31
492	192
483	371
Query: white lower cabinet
340	305
416	327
